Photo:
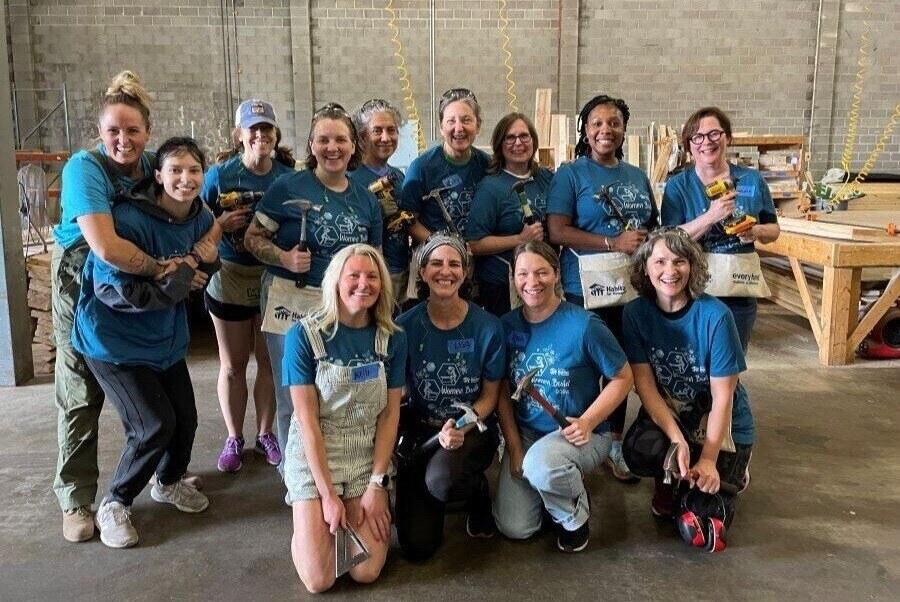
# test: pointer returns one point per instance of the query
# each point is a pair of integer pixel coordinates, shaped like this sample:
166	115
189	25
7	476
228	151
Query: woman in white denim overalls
344	365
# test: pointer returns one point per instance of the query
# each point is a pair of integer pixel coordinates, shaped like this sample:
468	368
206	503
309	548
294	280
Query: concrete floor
820	520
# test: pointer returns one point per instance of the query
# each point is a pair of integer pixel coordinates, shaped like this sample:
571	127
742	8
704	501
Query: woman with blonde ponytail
90	180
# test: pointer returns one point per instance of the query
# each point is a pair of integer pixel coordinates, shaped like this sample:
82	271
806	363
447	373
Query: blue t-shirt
685	200
684	353
573	348
343	218
496	212
233	176
85	190
157	338
353	347
449	366
433	170
572	194
394	246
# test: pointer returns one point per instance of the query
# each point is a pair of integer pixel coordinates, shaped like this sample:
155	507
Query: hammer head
436	193
524	384
470	415
519	186
303	204
602	193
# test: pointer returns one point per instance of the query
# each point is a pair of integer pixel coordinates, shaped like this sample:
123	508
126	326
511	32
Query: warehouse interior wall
757	60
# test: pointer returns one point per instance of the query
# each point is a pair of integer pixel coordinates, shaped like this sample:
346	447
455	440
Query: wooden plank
36	156
542	106
803	289
878	220
837	231
768	141
866	254
840	289
559	138
876	312
805	248
634	150
545	157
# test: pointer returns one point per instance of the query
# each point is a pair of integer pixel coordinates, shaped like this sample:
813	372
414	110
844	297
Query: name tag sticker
363	373
453	180
461	346
517	338
746	189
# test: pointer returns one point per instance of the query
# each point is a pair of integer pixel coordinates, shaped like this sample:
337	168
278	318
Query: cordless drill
736	223
395	218
229	201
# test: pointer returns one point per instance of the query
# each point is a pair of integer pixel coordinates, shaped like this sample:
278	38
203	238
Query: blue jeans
553	470
744	311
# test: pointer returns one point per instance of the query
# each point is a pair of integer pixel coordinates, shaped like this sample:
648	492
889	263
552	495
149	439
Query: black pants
427	482
160	418
612	317
645	447
494	297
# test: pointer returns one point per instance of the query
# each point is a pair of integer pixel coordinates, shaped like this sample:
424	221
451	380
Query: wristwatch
380	480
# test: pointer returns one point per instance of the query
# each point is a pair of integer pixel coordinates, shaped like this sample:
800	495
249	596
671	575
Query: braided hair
582	148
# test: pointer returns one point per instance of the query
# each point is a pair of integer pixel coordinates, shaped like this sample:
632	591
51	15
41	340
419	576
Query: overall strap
315	337
111	174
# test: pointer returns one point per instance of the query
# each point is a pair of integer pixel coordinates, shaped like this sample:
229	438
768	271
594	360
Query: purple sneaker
267	445
230	458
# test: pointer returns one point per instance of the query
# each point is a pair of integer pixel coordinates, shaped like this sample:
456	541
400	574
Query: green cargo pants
79	398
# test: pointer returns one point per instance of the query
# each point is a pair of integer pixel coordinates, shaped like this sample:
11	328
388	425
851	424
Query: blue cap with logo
253	111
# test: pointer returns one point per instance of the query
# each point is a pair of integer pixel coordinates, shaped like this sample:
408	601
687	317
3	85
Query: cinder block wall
666	59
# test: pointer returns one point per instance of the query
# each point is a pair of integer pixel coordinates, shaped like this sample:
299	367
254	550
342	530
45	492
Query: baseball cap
253	111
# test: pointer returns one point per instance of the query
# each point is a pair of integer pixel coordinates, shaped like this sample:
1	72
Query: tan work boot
78	524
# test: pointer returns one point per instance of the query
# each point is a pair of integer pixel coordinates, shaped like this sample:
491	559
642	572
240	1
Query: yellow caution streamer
856	103
412	109
507	62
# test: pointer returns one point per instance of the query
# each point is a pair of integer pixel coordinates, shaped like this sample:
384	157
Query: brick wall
756	60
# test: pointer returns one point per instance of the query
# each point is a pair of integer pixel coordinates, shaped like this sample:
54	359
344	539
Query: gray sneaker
181	495
114	521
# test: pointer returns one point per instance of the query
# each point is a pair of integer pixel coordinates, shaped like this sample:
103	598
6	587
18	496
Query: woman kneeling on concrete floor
557	352
344	364
456	361
695	424
133	334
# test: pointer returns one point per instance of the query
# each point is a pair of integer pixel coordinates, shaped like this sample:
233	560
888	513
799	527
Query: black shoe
481	525
574	541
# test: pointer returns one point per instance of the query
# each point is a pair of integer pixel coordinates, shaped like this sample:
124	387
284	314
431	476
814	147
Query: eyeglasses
331	109
374	103
511	139
713	136
454	94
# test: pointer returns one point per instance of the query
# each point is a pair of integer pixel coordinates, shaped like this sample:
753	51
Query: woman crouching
344	364
686	356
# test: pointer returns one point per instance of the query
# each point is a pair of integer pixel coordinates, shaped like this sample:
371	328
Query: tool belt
735	275
604	279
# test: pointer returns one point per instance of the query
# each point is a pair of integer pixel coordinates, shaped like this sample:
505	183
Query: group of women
534	303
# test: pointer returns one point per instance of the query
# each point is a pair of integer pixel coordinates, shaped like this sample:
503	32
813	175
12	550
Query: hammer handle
559	418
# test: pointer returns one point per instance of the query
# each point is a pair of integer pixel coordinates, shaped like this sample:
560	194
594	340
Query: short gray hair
372	107
679	242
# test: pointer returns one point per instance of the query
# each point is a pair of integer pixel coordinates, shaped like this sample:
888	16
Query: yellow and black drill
395	218
229	201
736	223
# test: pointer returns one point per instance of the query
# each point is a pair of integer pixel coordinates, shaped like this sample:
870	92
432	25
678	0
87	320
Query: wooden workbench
835	324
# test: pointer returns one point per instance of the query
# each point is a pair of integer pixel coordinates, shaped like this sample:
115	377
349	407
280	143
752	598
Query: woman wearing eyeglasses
378	123
509	209
600	209
455	165
336	211
707	133
686	356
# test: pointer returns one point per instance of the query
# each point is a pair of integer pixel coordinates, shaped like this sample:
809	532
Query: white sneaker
114	521
181	495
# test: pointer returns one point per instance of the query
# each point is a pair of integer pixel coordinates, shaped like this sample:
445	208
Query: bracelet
196	256
608	246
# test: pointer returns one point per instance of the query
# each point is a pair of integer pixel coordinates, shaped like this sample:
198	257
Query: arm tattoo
141	264
258	241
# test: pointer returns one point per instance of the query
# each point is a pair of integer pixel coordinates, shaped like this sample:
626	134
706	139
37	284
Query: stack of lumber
43	348
553	132
859	226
